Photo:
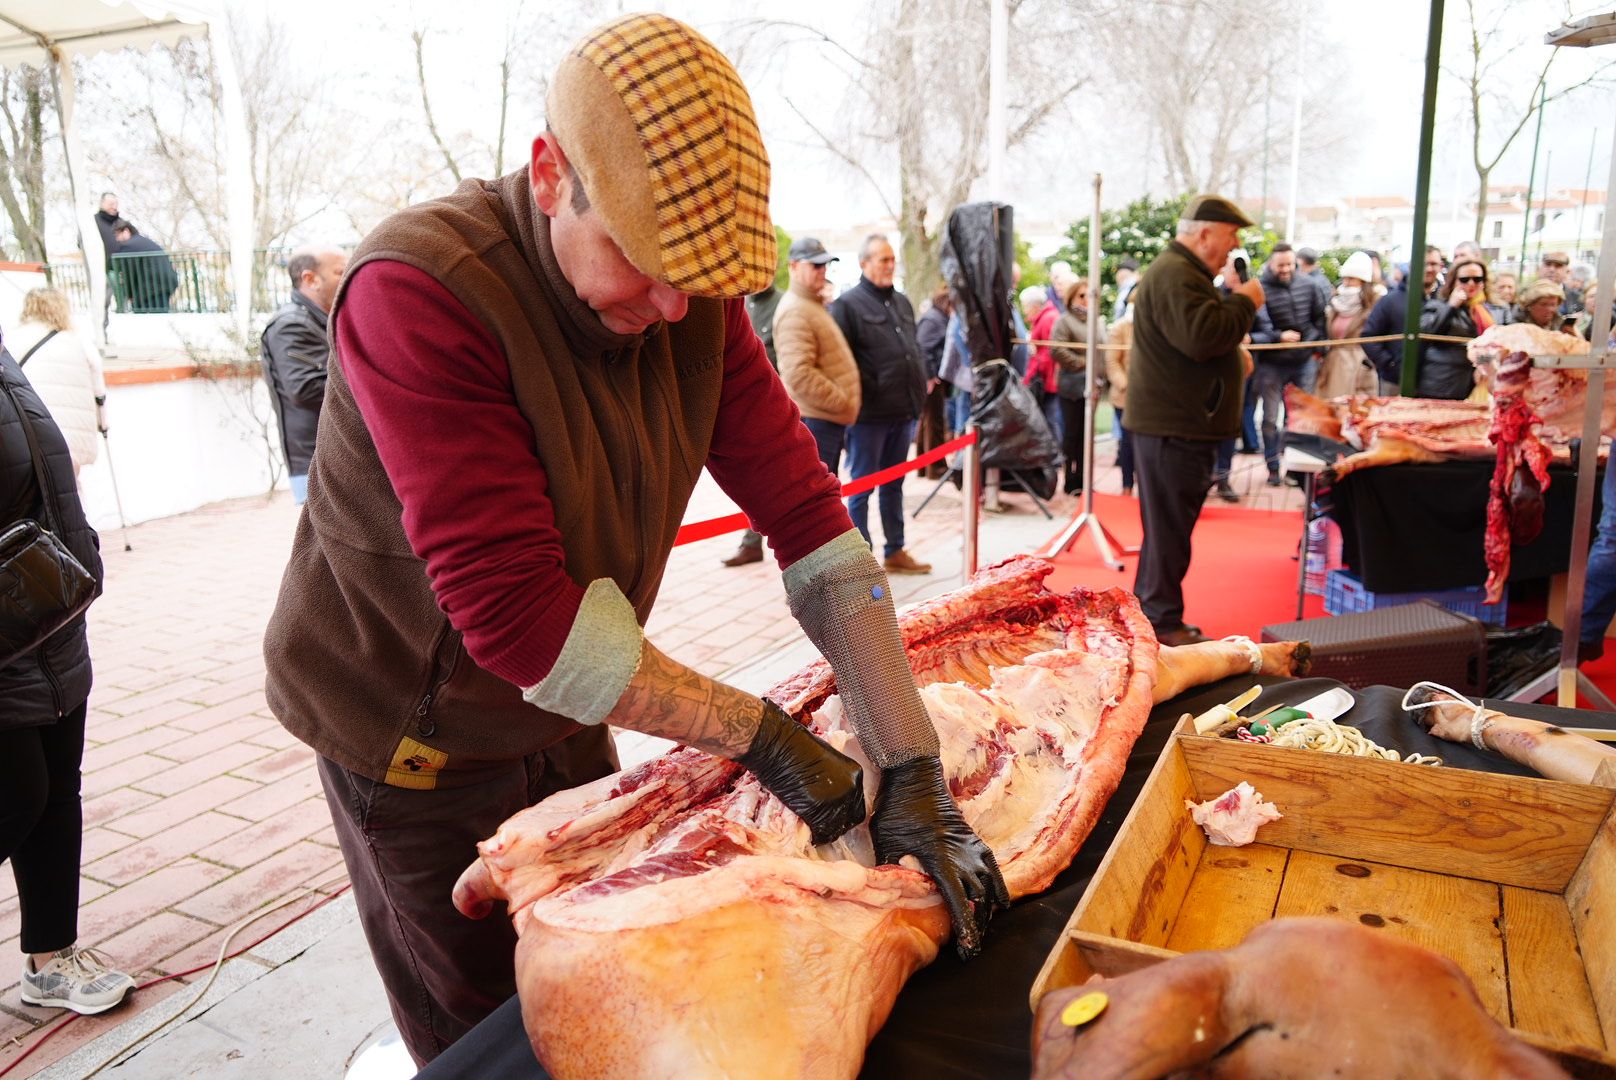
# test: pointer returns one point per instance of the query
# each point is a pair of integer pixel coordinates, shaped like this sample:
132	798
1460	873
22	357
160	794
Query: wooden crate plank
1139	887
1114	958
1591	899
1234	890
1511	830
1454	916
1548	989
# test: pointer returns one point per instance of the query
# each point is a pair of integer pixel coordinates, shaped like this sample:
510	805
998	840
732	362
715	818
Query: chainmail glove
817	782
915	815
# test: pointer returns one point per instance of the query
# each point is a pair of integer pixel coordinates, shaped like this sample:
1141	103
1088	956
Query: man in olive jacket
1185	389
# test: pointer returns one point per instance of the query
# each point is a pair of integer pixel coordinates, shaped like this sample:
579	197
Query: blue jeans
871	448
959	410
1225	462
300	489
829	436
1599	601
1271	378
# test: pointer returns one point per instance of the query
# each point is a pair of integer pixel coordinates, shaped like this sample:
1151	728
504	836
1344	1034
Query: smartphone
1242	264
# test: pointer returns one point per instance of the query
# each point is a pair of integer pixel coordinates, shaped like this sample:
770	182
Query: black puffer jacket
879	325
295	352
40	686
1445	368
1294	305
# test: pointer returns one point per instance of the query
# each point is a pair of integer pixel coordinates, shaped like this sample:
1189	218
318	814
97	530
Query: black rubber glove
822	785
915	815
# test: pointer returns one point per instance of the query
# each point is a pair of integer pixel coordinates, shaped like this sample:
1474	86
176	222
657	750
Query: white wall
177	446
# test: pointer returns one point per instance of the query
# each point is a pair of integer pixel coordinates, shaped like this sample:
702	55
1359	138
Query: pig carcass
676	920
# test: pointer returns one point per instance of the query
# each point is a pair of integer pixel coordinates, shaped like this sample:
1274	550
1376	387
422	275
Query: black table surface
1419	527
972	1021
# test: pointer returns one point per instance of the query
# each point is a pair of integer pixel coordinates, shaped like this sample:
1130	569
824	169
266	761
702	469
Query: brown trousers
405	849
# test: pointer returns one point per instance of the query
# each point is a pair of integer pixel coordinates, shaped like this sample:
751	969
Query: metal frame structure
1591	31
1088	520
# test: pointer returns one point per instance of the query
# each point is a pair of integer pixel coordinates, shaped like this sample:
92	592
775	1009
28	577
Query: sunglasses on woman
1471	280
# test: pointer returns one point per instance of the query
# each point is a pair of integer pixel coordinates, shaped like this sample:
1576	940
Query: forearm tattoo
668	699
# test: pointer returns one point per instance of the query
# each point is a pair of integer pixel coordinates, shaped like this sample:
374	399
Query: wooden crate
1513	878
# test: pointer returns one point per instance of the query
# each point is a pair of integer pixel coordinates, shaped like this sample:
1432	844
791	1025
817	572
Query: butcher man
527	377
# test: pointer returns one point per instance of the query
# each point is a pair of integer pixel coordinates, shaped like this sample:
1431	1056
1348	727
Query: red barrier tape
706	530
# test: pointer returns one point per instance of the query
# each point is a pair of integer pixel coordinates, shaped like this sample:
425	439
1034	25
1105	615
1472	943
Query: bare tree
1491	77
1198	71
914	122
171	146
25	99
529	49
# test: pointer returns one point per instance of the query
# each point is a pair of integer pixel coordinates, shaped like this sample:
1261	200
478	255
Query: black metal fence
190	282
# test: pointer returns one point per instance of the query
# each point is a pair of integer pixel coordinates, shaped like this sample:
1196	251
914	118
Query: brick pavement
200	809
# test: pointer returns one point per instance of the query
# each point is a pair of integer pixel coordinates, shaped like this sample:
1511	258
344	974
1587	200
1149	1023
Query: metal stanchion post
971	491
1104	542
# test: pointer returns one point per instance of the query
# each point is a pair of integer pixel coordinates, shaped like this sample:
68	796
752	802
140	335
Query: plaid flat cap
660	129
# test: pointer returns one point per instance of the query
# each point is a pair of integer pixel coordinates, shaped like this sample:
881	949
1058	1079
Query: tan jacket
816	365
1116	363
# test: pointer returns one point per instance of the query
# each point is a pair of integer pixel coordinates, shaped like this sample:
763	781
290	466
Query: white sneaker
79	979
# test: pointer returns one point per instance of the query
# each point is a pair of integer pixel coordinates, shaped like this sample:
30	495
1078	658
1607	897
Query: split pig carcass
676	919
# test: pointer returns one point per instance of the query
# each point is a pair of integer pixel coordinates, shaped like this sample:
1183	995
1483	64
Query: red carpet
1243	573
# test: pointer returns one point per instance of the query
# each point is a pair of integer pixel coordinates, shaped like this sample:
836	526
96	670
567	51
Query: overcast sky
1367	53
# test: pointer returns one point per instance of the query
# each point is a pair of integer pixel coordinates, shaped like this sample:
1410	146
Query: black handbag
43	587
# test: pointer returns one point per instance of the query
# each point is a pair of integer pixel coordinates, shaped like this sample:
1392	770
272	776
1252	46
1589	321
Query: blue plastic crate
1344	594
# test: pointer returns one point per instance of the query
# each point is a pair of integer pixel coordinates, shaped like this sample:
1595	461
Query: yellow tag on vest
415	765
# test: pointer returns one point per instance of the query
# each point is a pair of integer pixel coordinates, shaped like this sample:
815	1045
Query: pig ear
475	892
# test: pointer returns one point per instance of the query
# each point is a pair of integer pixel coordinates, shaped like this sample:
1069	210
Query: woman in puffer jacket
1459	309
64	368
44	699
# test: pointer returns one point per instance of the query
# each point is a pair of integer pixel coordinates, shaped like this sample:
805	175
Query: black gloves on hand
820	784
915	815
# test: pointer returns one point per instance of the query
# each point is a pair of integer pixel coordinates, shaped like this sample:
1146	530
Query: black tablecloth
959	1021
1416	528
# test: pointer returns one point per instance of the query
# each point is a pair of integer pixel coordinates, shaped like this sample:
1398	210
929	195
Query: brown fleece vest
361	663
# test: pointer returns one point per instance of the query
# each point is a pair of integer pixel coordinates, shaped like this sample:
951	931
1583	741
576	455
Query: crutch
123	522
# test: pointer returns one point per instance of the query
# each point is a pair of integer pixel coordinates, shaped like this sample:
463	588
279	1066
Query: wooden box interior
1513	878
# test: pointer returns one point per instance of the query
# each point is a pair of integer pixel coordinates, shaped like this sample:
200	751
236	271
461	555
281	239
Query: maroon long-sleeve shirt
463	462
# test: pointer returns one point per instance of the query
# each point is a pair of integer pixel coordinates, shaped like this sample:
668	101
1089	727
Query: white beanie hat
1359	265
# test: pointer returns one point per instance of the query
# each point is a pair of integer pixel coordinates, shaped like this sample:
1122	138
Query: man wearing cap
1186	376
527	376
879	324
816	365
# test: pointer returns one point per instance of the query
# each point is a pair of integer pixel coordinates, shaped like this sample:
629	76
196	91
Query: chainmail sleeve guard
841	597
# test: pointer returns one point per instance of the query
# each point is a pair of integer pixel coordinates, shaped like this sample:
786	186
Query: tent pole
90	245
1422	197
239	176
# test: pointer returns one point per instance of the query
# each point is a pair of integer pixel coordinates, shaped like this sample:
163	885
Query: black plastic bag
1011	431
1517	655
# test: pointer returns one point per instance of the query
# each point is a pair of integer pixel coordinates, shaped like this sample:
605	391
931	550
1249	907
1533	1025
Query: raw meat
1233	818
676	920
1297	998
1515	497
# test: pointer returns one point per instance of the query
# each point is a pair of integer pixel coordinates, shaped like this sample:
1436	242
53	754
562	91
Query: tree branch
843	155
419	37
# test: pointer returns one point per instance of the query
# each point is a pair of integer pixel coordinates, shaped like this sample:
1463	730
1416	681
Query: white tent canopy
49	33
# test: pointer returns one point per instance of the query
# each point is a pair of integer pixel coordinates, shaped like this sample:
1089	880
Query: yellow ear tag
1082	1010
